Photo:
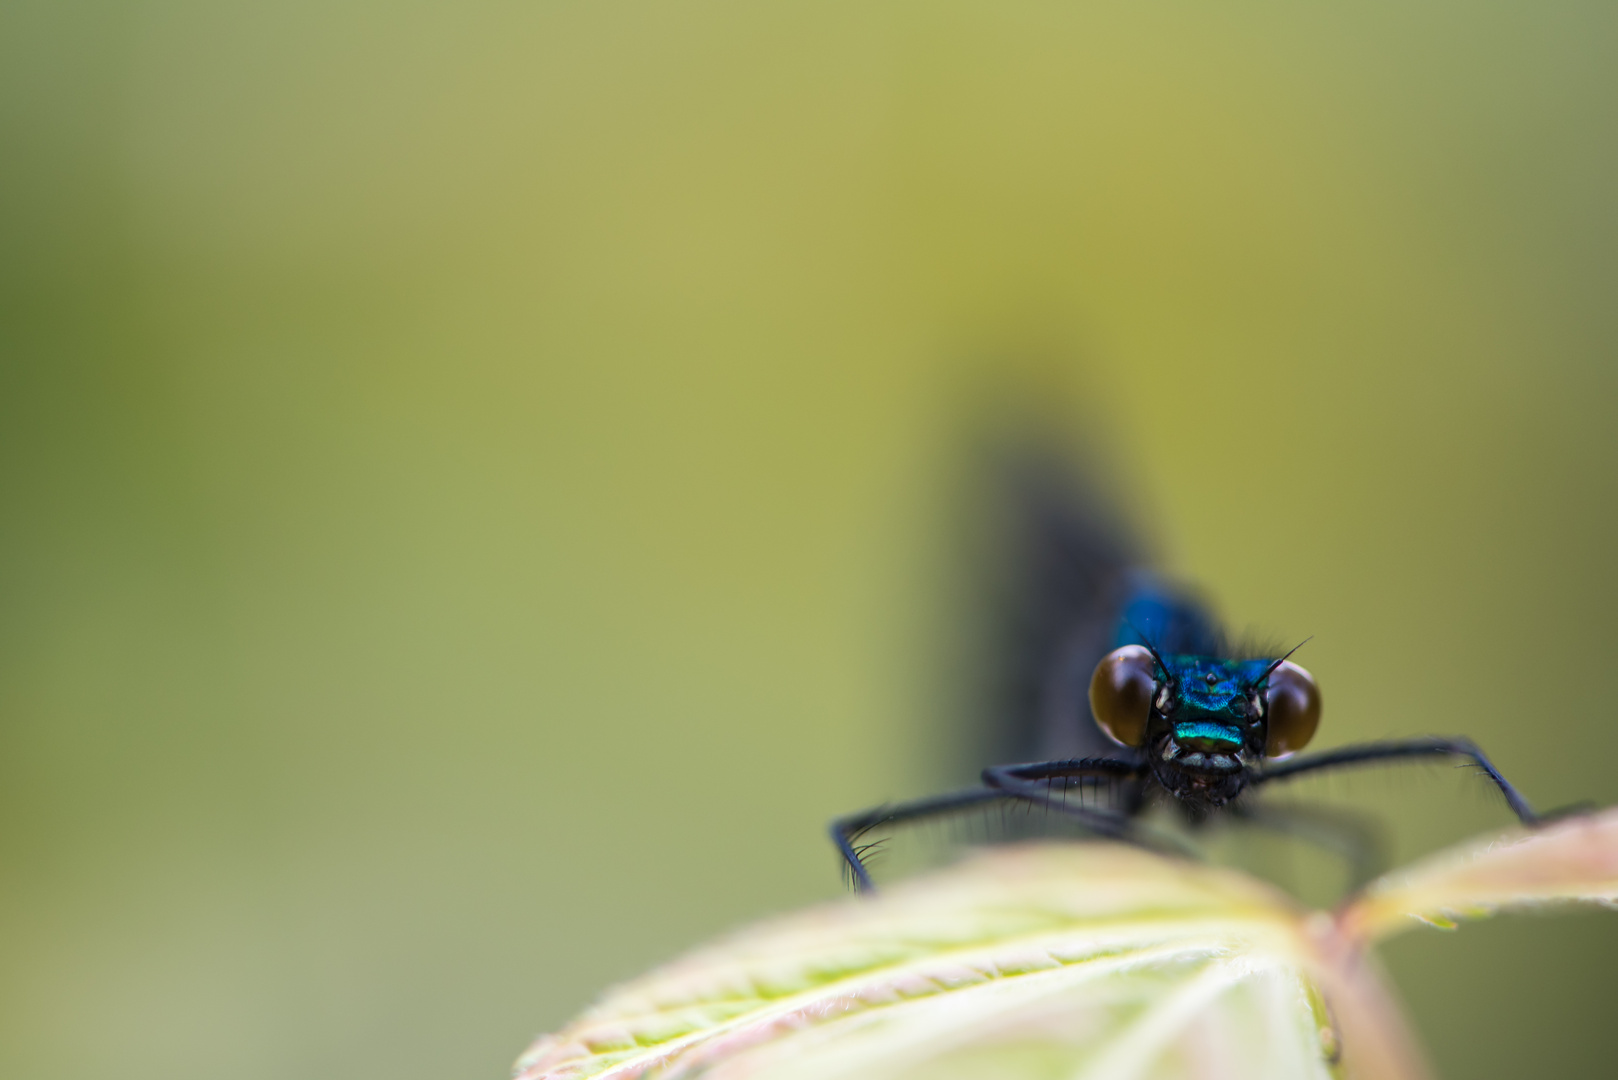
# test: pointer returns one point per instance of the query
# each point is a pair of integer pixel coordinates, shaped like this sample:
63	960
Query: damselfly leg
1032	780
1403	750
1027	784
1358	839
1128	783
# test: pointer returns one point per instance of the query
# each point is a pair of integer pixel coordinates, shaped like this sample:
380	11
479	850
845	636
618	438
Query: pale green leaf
1574	860
1080	960
1089	961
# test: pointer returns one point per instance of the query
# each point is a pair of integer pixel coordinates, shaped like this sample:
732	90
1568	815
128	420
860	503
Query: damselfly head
1207	713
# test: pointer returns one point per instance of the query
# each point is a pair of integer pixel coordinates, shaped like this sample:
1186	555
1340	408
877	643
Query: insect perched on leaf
1095	961
1132	677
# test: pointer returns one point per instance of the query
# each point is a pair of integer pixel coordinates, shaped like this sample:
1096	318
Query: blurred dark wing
1063	565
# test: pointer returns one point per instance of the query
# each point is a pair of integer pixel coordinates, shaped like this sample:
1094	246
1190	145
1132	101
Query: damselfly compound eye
1294	708
1121	693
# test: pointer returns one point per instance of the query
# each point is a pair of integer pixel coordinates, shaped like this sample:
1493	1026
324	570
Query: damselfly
1133	676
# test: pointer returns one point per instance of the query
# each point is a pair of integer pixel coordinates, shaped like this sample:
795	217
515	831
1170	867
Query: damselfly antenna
1161	664
1265	677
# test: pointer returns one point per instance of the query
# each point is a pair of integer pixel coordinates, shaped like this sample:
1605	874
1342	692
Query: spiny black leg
1360	840
1404	748
1025	782
1011	781
846	831
1031	781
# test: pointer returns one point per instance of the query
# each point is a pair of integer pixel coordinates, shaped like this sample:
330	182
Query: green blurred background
474	477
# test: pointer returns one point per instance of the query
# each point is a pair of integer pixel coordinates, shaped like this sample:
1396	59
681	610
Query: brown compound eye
1121	693
1294	710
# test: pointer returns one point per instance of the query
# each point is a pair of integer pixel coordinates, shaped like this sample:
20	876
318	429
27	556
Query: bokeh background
475	479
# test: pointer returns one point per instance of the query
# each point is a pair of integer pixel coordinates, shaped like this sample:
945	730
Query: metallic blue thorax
1211	701
1219	688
